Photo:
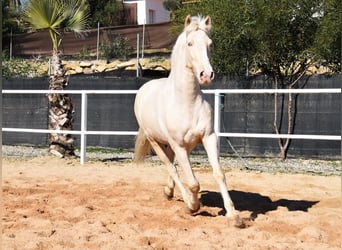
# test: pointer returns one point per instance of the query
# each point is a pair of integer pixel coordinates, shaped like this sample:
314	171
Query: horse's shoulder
157	81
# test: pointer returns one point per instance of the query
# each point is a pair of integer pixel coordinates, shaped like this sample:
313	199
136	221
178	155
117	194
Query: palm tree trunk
60	112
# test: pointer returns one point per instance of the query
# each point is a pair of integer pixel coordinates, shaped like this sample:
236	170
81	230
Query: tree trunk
282	143
60	112
291	110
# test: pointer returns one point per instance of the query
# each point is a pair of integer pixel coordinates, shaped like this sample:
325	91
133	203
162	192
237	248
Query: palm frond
76	15
57	16
43	14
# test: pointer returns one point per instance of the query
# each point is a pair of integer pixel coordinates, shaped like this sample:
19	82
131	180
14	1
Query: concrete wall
315	114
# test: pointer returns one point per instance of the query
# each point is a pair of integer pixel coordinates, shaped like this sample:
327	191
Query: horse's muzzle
206	77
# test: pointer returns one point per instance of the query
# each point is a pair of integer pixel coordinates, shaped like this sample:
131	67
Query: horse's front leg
211	146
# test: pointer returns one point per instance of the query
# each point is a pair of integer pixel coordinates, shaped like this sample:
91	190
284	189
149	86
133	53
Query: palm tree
56	17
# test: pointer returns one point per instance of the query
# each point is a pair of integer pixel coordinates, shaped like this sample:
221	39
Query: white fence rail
216	92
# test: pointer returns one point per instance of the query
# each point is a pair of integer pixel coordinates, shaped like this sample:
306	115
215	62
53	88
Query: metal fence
83	132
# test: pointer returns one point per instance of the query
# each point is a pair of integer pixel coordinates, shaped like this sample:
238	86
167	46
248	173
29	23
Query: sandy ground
51	203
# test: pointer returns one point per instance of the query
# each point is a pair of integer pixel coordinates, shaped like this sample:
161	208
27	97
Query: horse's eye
189	44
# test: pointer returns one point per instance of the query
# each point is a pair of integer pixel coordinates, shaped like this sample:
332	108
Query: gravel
269	165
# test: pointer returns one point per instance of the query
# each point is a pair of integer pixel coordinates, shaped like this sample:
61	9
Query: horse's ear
187	20
207	22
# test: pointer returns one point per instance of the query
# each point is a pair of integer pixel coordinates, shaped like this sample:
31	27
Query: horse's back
149	93
152	87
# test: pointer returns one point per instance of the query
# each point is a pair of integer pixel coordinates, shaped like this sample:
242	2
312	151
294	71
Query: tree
11	16
57	16
327	45
281	39
172	5
286	31
232	33
106	12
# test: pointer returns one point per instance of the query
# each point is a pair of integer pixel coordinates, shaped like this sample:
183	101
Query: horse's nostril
202	73
212	75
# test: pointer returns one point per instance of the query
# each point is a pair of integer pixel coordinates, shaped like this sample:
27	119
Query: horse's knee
194	188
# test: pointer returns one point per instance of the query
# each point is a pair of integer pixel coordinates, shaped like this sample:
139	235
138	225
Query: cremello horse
174	116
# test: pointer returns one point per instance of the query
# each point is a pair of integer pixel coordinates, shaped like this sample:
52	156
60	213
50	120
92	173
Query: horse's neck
182	78
184	82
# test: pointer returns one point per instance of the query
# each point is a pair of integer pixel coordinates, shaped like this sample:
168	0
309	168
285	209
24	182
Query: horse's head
197	48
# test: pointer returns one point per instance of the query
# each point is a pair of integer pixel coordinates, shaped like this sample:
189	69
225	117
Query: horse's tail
142	147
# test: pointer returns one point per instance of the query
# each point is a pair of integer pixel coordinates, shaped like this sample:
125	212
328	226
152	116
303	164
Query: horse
173	115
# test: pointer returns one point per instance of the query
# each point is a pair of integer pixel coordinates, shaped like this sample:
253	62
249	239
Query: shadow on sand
253	202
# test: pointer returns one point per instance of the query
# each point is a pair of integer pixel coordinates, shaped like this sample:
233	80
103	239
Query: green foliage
157	59
119	48
232	32
327	46
106	12
21	68
172	4
11	19
277	37
285	33
84	53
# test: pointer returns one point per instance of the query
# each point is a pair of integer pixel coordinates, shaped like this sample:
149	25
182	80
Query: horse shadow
253	202
117	159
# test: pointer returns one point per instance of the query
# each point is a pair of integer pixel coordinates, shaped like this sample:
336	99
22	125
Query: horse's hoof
168	197
168	193
193	211
238	222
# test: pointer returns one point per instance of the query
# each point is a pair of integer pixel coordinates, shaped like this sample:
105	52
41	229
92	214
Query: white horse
174	116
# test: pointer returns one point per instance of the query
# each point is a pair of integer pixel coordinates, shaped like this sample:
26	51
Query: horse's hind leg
169	188
210	145
173	174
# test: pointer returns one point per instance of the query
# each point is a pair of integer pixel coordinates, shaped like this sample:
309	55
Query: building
148	11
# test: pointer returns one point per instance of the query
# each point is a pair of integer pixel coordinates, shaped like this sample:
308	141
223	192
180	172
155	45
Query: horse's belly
152	126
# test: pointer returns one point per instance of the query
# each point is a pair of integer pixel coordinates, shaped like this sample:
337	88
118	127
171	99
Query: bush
118	49
84	53
157	59
22	68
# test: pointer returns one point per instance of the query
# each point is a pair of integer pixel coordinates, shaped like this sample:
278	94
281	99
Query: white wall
161	14
141	11
143	6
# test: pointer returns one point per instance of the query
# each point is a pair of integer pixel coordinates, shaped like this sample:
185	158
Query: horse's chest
188	131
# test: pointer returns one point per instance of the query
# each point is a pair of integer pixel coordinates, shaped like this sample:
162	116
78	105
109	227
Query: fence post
217	117
137	73
98	41
84	104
